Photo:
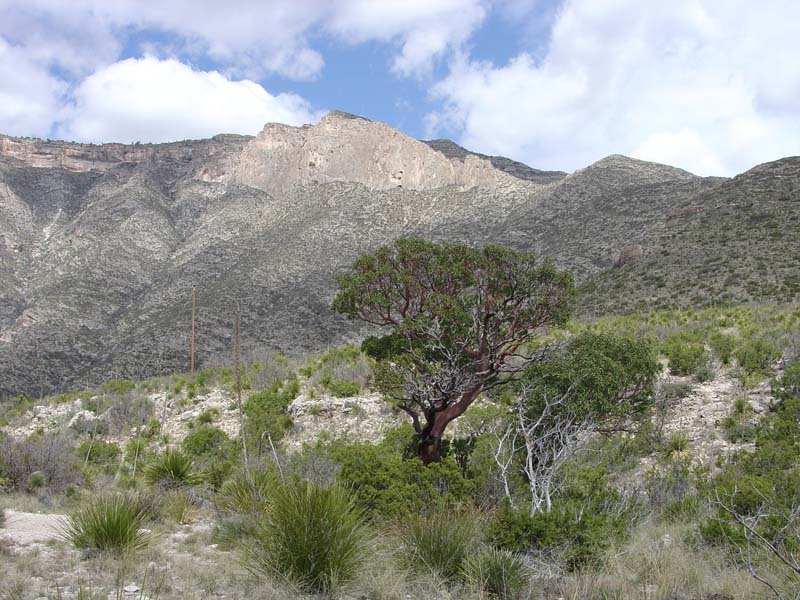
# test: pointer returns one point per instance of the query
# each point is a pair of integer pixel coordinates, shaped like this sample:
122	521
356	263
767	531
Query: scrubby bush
584	521
52	455
341	388
723	346
98	452
265	412
439	541
118	386
757	354
390	484
312	536
788	386
684	354
207	440
110	524
498	573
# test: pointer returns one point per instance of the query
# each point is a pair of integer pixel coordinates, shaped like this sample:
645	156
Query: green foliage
118	386
265	411
340	388
684	353
788	387
587	517
439	541
36	480
757	354
172	469
723	346
208	416
111	524
762	482
207	441
312	536
390	484
429	294
498	573
677	443
606	375
98	452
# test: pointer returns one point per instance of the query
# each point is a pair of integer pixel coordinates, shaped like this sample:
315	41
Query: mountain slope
102	245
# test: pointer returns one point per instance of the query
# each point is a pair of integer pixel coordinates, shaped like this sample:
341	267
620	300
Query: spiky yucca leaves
440	541
249	492
172	469
499	573
111	524
313	537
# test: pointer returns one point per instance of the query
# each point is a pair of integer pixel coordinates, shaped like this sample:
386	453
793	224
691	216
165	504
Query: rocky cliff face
352	149
100	246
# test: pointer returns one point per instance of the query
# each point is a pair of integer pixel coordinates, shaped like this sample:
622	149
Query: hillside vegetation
151	476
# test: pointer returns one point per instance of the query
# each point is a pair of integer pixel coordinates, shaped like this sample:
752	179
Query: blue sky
712	86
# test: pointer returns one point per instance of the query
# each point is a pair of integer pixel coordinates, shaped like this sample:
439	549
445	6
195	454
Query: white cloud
161	100
708	85
245	38
29	95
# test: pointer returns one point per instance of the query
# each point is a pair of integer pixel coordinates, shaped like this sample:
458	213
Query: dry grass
658	561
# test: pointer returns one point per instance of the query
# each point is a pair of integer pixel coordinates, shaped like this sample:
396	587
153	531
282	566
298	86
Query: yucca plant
172	469
499	573
313	537
249	492
440	541
110	524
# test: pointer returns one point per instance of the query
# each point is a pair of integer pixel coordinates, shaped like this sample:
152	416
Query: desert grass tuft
440	541
111	524
172	469
498	573
312	537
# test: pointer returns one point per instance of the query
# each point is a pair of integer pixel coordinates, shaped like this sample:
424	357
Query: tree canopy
463	320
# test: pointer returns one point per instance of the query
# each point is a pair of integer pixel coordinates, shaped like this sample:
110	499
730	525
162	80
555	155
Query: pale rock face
346	148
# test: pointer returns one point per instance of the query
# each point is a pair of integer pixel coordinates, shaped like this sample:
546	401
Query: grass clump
172	469
111	524
440	541
498	573
313	537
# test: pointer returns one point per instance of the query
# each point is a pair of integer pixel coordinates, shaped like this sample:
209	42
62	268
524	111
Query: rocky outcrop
342	147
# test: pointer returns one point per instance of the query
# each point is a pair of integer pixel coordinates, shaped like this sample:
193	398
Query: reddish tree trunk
430	444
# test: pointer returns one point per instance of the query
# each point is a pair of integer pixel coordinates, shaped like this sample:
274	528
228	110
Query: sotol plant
110	524
312	536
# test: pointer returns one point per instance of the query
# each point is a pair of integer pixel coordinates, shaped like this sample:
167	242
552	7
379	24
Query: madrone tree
462	321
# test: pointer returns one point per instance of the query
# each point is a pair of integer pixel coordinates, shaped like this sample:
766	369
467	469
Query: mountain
101	245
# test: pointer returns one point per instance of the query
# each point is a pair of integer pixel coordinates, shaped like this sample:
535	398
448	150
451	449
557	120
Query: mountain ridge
97	264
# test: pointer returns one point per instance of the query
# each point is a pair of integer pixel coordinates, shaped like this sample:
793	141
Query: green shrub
108	524
685	355
757	354
340	388
788	386
677	443
98	452
584	521
440	540
389	484
36	480
499	573
172	469
118	386
312	536
207	441
265	412
208	416
723	346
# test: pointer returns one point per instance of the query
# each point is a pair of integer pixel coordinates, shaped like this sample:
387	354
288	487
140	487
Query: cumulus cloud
29	95
246	38
708	85
162	100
